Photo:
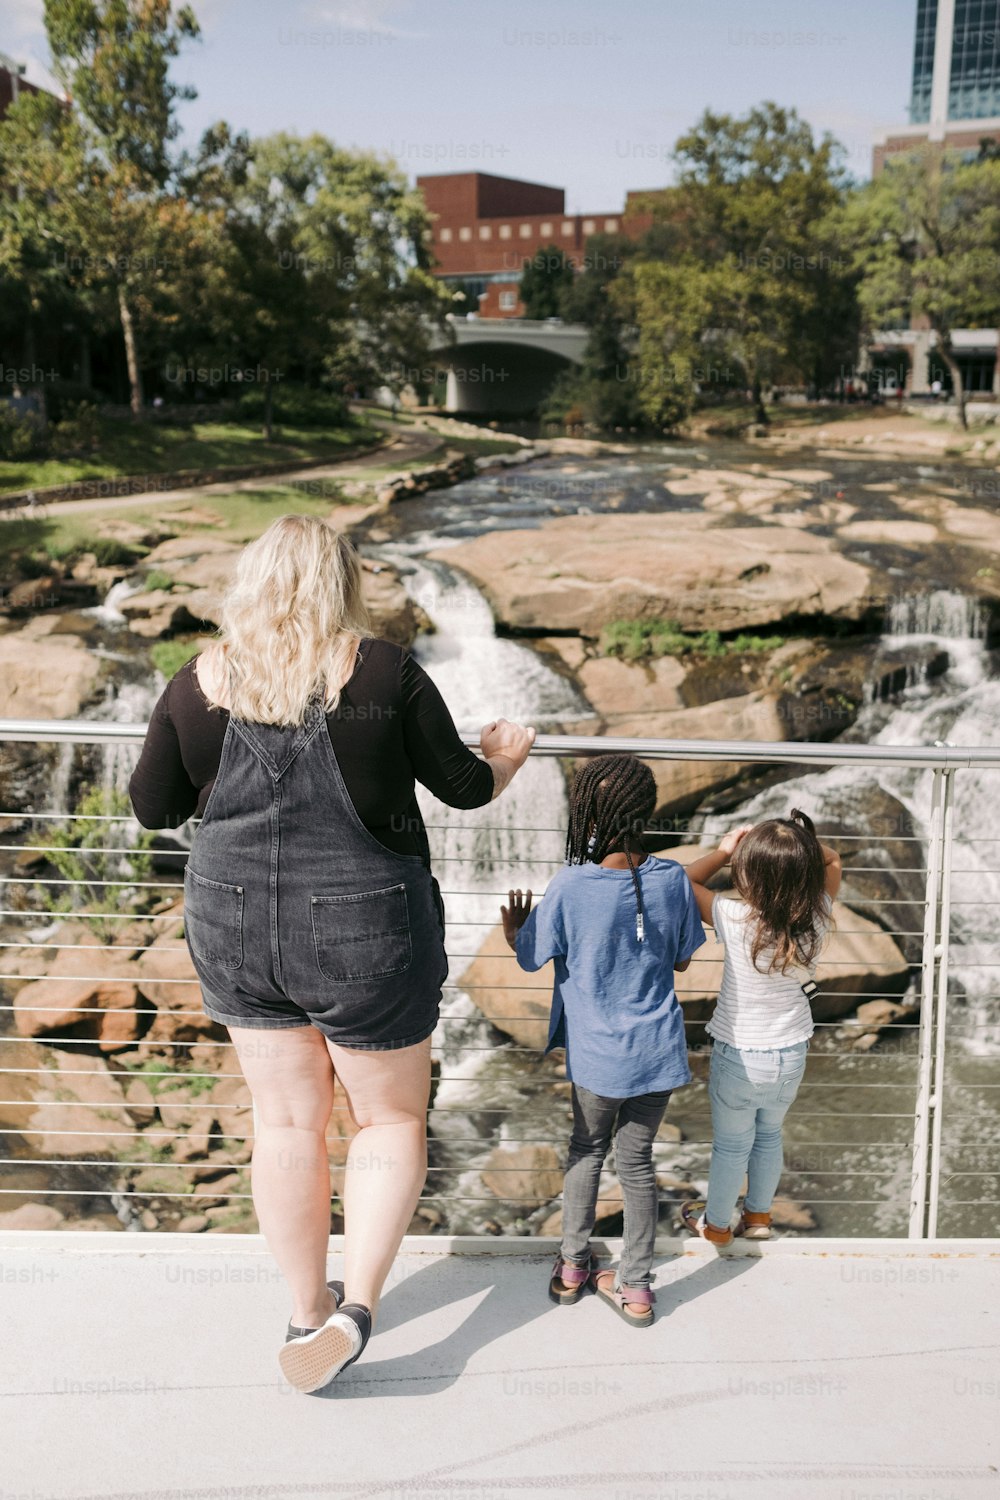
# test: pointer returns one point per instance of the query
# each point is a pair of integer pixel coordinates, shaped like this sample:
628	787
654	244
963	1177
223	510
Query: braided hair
613	799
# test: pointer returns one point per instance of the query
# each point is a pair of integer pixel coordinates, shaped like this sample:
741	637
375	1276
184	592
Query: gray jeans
633	1123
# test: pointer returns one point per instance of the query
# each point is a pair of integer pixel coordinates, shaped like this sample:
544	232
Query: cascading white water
960	708
108	611
517	839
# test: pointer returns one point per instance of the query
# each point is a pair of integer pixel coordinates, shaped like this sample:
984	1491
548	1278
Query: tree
748	221
545	280
326	267
926	238
603	392
98	177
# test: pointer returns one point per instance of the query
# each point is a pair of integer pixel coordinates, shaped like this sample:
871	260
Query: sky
589	95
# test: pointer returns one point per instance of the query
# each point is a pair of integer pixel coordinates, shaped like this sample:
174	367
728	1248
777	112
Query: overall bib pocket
363	936
213	920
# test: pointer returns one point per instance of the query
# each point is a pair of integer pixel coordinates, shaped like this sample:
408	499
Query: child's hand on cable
515	914
727	845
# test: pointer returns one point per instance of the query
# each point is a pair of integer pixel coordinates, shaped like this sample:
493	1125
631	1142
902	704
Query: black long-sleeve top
391	729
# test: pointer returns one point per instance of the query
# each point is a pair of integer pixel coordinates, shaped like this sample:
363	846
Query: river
849	1137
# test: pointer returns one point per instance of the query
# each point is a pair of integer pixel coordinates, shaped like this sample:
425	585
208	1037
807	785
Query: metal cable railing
123	1105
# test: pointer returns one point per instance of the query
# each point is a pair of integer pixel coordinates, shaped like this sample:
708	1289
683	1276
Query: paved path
141	1367
407	446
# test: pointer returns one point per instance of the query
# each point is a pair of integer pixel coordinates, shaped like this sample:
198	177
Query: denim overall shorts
296	915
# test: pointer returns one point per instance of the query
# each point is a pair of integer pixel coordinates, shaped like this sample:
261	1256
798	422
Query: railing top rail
769	752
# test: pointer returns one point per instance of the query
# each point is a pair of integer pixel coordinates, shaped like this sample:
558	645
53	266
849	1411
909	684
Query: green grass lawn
136	448
244	514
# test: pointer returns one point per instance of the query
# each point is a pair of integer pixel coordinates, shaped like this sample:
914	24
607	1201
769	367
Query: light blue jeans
750	1093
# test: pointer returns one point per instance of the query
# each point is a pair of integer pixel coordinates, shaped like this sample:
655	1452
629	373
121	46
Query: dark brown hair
613	799
778	870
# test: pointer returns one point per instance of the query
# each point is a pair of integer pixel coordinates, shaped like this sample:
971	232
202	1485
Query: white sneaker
314	1359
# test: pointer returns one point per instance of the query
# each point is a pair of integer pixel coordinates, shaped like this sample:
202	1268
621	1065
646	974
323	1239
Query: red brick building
486	227
13	83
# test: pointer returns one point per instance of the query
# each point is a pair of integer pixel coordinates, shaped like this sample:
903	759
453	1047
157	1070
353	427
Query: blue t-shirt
614	1007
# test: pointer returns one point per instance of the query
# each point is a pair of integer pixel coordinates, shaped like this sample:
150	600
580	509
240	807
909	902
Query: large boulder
394	615
45	677
201	568
86	990
682	784
68	1100
525	1176
166	978
499	989
156	612
578	573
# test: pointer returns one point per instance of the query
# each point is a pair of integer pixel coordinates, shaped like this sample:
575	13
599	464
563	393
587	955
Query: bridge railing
121	1103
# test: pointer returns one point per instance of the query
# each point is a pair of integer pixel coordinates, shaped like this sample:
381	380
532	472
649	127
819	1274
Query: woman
315	926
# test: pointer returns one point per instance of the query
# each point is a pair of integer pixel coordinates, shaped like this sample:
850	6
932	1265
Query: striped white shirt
755	1011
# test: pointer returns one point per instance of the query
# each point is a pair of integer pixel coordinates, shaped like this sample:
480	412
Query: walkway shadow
440	1285
508	1305
719	1270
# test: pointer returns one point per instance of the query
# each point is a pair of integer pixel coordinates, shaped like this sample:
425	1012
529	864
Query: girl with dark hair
617	924
772	932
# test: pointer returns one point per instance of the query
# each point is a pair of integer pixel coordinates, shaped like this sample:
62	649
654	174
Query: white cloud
375	16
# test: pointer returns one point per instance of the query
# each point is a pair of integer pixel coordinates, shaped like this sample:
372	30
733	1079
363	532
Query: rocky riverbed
784	576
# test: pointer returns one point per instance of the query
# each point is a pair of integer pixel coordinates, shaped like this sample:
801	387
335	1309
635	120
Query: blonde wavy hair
290	621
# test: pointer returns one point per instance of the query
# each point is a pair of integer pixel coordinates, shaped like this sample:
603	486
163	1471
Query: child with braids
617	923
772	931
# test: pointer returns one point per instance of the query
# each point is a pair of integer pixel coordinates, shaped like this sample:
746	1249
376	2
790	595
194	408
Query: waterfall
108	612
518	839
942	613
962	707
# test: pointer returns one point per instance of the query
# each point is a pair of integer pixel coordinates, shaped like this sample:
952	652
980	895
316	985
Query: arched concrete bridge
505	365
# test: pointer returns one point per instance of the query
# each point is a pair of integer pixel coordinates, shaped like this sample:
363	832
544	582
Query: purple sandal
618	1296
574	1280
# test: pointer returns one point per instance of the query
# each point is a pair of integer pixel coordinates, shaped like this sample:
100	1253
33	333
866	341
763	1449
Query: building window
485	232
567	227
546	231
445	236
974	84
508	301
505	231
589	226
923	62
524	230
611	226
465	233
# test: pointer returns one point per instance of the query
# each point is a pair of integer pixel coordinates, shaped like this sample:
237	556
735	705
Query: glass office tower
974	84
923	62
956	62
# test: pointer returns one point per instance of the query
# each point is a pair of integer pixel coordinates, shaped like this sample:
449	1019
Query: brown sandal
617	1298
568	1282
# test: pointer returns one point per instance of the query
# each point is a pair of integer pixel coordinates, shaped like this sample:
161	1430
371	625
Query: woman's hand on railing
505	745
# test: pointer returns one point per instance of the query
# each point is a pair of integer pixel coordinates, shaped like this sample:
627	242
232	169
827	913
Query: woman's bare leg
387	1093
291	1080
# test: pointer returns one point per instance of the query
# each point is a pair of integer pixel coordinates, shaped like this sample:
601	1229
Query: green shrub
295	406
169	656
78	432
110	553
77	848
157	579
21	437
636	640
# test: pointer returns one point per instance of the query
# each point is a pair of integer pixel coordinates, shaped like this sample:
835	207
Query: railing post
925	1055
941	1002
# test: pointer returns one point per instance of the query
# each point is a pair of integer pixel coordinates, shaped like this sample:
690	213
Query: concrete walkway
143	1366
